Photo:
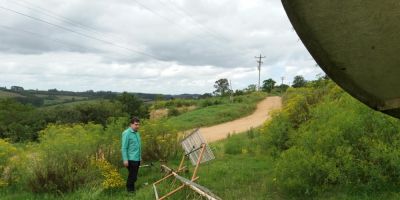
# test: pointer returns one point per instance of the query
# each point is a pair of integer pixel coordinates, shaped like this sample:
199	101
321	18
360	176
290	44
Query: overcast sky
150	46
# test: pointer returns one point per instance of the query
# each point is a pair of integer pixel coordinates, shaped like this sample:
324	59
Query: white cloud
218	39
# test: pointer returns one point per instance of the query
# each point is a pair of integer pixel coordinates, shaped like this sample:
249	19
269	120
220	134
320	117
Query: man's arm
124	148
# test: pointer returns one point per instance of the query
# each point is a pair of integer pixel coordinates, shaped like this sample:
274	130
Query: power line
54	15
57	17
187	14
159	15
82	34
45	37
163	17
218	36
63	19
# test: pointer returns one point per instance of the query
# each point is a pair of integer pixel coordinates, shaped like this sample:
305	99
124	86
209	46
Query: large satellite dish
357	43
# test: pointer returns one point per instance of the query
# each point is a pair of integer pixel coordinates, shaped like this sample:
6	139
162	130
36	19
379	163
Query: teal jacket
131	146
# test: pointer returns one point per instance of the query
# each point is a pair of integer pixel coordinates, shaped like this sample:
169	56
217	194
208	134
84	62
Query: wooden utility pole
259	68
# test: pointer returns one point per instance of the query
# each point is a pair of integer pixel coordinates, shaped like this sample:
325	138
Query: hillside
323	144
53	97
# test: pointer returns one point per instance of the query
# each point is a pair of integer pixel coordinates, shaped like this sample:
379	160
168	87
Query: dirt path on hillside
220	131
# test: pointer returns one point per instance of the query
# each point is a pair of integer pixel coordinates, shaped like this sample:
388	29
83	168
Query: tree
222	87
238	92
299	81
282	87
133	105
159	97
250	88
19	122
268	85
205	95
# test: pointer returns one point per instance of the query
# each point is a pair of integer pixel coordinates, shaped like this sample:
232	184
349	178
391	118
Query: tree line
222	86
22	122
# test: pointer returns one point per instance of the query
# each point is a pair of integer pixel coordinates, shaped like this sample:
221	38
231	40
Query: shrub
64	158
173	112
327	139
277	133
110	142
234	145
300	172
206	102
111	177
6	152
297	109
160	140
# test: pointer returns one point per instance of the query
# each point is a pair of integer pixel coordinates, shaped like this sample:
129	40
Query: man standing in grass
131	152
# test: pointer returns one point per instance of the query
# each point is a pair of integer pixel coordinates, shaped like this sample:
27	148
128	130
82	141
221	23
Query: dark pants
133	168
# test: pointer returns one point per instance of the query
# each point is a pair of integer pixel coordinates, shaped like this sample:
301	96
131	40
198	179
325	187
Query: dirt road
220	131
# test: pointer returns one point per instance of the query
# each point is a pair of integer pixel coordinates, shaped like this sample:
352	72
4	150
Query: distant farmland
5	94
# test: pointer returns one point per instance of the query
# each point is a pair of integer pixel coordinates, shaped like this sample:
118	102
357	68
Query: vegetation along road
260	115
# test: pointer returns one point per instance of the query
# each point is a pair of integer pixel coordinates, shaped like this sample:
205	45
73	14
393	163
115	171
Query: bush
173	112
6	152
160	141
277	133
300	172
64	158
110	143
327	139
112	179
234	145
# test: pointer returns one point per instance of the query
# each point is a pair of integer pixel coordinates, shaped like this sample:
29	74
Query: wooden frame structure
198	151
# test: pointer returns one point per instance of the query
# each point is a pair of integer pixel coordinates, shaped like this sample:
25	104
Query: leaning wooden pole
203	147
197	188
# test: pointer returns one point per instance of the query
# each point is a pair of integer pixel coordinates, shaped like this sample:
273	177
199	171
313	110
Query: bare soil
260	115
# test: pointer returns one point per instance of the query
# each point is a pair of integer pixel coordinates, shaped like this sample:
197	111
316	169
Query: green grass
216	114
211	115
230	176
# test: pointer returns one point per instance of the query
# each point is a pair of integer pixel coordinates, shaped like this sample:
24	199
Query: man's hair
135	120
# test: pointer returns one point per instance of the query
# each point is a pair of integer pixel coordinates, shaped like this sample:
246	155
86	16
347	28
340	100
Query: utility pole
282	79
259	68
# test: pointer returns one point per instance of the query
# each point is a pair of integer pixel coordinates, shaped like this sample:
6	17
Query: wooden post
199	160
155	191
180	164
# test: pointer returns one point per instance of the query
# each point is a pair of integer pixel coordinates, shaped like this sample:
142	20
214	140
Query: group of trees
20	122
222	86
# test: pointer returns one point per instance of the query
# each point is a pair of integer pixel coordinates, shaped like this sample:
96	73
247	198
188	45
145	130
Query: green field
71	104
5	94
48	100
63	97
